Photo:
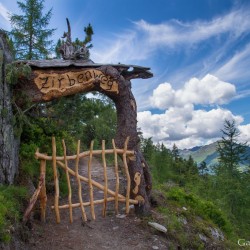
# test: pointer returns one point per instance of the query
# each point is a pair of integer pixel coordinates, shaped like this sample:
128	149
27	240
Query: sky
198	51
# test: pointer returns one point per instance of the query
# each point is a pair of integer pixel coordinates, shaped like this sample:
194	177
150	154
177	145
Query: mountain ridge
206	153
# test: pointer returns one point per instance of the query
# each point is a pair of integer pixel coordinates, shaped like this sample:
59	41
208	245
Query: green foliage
10	205
15	71
30	31
200	207
4	112
231	152
70	119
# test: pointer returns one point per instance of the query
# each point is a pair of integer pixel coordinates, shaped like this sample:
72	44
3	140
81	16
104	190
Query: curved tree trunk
9	145
53	79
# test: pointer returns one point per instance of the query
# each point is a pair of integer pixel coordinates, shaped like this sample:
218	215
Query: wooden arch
51	79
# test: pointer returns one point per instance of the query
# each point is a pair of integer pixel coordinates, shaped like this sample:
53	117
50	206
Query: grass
189	219
10	206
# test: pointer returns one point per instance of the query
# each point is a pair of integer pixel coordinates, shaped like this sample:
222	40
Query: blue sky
198	51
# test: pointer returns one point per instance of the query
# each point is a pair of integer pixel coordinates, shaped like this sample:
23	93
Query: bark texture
9	145
54	73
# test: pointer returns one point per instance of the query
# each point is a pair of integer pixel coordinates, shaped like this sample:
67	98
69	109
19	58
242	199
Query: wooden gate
62	162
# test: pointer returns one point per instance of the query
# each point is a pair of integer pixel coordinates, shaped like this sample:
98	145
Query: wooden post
105	179
84	217
68	182
124	156
91	197
116	177
43	196
56	182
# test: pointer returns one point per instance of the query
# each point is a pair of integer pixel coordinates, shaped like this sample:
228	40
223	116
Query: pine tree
29	31
229	178
203	168
231	152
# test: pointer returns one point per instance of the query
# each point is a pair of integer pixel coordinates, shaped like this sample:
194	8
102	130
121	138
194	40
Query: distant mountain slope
205	153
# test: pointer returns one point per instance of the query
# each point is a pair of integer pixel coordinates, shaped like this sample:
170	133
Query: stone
158	226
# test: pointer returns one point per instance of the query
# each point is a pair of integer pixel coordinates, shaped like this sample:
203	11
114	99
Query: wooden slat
43	196
33	199
91	196
105	179
116	178
124	156
84	217
68	182
56	182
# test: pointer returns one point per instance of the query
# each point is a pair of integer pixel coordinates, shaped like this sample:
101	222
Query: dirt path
111	232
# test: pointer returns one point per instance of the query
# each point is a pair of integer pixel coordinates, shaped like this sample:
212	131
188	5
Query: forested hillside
226	188
208	154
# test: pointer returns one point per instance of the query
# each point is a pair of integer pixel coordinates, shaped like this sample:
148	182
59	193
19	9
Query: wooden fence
62	162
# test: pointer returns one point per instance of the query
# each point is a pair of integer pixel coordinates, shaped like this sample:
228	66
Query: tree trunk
9	145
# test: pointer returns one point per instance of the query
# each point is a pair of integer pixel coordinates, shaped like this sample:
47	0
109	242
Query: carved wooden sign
53	83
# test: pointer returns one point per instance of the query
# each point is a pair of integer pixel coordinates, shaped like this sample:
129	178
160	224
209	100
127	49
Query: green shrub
10	206
200	207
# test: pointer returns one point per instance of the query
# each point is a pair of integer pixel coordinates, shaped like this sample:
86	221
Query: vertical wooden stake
68	182
124	156
116	177
56	183
91	197
105	179
43	196
84	217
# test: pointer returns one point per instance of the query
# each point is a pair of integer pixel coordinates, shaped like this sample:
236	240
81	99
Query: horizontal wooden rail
96	202
41	156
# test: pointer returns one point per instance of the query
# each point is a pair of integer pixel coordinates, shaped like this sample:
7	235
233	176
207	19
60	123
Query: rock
157	226
203	237
155	247
183	220
217	234
115	228
121	216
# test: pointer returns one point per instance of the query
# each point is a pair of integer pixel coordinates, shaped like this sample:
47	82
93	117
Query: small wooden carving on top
71	52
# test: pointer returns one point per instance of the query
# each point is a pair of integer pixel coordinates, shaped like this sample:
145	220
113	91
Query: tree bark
9	145
53	79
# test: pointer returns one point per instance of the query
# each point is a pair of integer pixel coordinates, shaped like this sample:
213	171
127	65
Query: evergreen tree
29	31
175	152
231	152
203	168
230	181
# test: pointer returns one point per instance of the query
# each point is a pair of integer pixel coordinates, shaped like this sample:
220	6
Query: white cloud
4	12
163	96
175	33
181	123
144	38
185	126
237	67
244	133
124	48
208	90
